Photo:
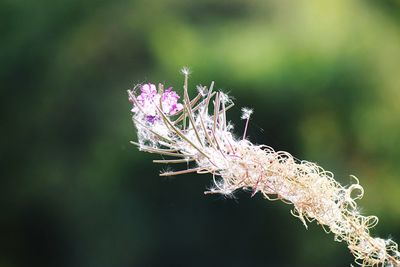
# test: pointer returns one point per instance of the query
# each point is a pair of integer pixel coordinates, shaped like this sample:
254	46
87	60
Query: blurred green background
322	76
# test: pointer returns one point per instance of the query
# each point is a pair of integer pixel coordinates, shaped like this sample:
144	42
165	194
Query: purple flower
148	93
151	119
148	89
170	103
149	99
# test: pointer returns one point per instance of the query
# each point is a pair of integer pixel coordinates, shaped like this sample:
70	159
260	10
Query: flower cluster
149	99
194	132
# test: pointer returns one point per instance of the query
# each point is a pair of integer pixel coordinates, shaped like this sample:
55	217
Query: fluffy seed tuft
246	113
192	132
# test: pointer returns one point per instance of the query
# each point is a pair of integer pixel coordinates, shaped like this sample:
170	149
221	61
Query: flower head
246	113
148	89
148	102
170	103
185	71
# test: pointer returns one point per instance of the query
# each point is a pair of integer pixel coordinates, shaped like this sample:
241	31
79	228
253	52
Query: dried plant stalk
197	131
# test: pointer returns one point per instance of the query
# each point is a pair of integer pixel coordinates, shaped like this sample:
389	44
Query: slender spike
165	152
153	148
229	107
184	119
209	97
216	111
154	151
189	110
245	128
223	124
185	89
165	144
204	171
179	172
193	124
173	161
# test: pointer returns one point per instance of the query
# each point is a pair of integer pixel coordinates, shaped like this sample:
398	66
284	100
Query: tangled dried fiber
197	131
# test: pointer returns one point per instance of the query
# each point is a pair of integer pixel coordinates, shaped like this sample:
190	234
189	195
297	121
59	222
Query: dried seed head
185	71
246	113
193	132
